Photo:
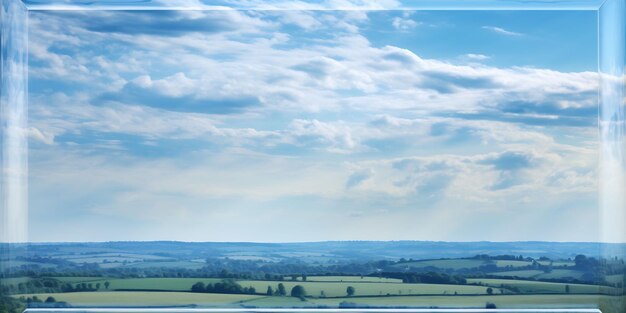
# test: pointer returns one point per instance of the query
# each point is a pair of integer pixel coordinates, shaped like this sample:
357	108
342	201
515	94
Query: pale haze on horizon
292	126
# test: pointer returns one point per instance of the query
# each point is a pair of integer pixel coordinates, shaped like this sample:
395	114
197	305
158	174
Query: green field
223	300
338	289
369	286
172	264
501	301
512	263
14	280
361	279
526	286
521	274
455	264
168	284
112	257
561	273
538	274
557	263
134	298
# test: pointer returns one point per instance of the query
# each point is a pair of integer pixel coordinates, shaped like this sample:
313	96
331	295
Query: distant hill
336	251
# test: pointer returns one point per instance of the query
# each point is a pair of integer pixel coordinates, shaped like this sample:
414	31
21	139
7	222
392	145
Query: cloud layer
220	115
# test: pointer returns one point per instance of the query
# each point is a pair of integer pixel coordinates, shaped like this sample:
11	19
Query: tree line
225	286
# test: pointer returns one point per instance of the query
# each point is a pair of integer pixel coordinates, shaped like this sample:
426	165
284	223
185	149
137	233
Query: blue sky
312	125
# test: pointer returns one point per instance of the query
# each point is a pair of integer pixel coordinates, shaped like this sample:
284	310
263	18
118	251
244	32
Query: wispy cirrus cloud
502	31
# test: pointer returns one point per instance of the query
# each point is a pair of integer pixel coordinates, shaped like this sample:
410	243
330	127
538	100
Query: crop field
522	274
501	301
526	286
561	273
512	263
455	264
167	264
557	263
338	289
170	284
79	279
538	274
361	279
116	298
226	300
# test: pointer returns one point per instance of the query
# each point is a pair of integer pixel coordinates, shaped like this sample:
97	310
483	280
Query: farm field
121	298
138	278
455	264
512	263
224	300
361	279
526	286
333	286
79	279
501	301
338	289
169	284
538	274
521	274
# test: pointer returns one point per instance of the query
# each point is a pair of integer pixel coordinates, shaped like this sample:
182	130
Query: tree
567	289
303	277
98	286
51	300
490	305
198	287
490	291
298	292
270	291
350	291
281	290
107	284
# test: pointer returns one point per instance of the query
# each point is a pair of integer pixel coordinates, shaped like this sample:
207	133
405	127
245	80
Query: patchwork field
118	298
223	300
525	286
446	263
358	279
338	289
538	274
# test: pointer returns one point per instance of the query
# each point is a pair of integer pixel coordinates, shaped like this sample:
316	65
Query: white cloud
475	57
502	31
404	23
334	115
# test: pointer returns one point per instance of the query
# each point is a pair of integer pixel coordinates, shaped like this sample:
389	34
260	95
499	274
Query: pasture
357	279
538	274
527	286
338	289
146	298
455	264
164	284
181	299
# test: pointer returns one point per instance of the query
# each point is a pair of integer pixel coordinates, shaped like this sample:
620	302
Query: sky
284	126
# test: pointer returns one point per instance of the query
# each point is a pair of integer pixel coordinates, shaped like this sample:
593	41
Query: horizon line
314	242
